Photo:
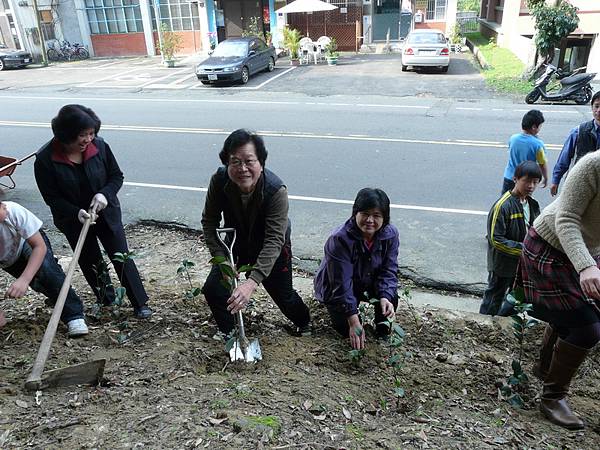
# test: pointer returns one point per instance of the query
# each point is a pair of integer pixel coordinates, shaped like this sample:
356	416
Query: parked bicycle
66	51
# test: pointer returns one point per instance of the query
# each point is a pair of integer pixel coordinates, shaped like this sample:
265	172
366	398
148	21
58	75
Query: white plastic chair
322	42
307	50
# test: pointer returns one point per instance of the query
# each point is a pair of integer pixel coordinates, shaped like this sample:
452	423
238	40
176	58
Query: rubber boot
542	365
566	359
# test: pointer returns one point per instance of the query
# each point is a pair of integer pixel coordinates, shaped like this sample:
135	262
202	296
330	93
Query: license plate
427	52
212	76
26	60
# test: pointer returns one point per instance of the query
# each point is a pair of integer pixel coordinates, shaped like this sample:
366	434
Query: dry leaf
347	413
22	404
320	417
214	421
307	405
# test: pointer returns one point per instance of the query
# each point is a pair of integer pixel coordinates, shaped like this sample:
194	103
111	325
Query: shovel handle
221	235
40	361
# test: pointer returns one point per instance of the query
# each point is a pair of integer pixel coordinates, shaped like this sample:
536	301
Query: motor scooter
574	86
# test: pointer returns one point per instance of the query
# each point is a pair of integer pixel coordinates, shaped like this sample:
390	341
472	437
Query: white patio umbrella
306	6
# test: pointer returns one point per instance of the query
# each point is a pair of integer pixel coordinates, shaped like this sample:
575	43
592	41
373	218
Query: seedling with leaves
230	275
356	355
518	380
185	271
395	358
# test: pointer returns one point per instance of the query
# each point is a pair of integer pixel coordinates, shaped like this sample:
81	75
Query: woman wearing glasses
361	265
254	201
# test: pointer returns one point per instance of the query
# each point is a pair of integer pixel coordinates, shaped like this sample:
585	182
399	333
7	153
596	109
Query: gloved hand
83	215
99	202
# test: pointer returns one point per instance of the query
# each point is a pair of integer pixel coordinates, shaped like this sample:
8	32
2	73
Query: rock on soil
168	382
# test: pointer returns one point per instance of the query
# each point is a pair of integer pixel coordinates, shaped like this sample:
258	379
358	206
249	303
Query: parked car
235	60
13	58
426	48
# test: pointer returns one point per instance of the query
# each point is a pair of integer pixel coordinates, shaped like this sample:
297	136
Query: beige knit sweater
572	222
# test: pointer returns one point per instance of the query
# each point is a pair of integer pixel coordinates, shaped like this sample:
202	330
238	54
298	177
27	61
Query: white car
426	48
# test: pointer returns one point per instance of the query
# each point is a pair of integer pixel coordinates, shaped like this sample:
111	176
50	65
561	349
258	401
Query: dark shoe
143	313
542	365
566	360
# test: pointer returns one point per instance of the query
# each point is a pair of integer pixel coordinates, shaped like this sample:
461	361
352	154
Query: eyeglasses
238	163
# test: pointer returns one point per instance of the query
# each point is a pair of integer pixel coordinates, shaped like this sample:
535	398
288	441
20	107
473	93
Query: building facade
511	24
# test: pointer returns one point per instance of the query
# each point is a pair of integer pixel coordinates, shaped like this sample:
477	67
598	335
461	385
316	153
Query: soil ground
168	382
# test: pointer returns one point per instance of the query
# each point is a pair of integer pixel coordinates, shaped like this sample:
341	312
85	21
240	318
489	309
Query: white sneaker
77	327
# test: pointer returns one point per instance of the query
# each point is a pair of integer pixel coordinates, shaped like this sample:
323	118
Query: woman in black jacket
76	172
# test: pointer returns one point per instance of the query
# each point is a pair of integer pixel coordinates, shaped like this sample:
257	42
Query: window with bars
178	15
436	10
114	16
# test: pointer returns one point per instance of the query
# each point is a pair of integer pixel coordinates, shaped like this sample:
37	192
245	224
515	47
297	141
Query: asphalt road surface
440	159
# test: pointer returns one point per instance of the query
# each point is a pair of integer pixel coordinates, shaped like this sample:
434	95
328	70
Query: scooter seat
574	79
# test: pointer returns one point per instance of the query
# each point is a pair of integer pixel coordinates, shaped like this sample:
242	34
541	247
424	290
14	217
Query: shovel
86	373
243	349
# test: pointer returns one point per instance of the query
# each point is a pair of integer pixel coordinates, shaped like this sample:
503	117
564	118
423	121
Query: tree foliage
469	5
552	23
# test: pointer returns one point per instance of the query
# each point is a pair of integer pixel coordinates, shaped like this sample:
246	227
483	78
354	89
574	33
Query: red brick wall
330	23
188	45
125	44
437	25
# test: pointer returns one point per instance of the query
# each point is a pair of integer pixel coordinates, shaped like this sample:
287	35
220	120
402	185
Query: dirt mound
169	383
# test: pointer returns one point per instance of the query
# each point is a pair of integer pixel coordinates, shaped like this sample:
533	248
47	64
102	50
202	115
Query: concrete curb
478	55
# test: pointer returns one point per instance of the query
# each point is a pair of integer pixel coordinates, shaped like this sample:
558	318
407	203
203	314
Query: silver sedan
426	48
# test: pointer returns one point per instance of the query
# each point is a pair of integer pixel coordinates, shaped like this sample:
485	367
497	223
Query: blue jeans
48	280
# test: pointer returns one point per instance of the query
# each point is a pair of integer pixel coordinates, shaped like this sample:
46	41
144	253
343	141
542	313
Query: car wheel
532	97
271	66
445	69
2	66
245	75
404	68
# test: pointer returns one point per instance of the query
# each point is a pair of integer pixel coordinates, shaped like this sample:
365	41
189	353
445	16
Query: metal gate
386	16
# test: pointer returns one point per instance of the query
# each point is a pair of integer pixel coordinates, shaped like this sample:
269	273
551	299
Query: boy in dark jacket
508	222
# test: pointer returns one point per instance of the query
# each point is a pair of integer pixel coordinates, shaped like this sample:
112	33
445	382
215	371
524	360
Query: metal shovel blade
86	373
250	352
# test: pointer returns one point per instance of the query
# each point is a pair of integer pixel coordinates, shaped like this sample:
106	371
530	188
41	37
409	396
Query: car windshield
229	49
427	38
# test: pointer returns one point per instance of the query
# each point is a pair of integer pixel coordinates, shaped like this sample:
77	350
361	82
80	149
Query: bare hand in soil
387	308
241	296
17	289
590	282
357	333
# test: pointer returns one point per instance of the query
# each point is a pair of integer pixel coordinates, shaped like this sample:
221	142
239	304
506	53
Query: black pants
507	185
339	319
278	285
48	280
494	303
113	241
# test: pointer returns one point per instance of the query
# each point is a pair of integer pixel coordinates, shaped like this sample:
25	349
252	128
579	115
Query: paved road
442	156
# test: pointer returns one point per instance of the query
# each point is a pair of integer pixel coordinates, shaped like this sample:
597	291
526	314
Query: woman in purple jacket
361	263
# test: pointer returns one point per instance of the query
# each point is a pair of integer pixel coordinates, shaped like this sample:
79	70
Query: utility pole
158	27
40	34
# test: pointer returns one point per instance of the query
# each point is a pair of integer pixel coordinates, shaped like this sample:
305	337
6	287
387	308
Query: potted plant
169	44
331	53
291	41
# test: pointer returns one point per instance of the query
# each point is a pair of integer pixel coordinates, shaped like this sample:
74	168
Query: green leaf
374	301
513	381
245	268
399	392
388	323
217	260
180	270
118	256
230	343
227	270
506	391
188	263
516	401
120	293
393	359
398	330
196	291
226	285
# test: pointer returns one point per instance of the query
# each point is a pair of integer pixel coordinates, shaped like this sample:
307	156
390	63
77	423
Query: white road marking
116	75
286	134
320	199
179	80
154	81
203	87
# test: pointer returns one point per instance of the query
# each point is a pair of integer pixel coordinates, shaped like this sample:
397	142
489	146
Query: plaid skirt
551	285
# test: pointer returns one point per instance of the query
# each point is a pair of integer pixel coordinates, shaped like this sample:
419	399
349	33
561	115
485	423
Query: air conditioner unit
418	17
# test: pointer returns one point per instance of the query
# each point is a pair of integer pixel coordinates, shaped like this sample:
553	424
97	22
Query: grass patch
505	69
272	422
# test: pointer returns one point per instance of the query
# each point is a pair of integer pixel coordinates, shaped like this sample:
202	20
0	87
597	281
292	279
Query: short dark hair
239	138
595	97
529	169
72	120
532	118
369	198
